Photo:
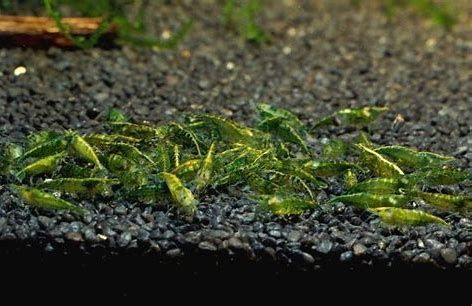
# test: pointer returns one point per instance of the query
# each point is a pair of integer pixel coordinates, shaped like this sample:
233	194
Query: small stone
174	252
19	70
420	243
101	96
168	234
204	84
143	235
433	244
359	249
422	258
74	236
49	248
270	252
124	239
102	237
120	210
235	243
230	65
449	255
294	236
325	246
89	235
207	246
3	223
218	234
155	247
346	256
193	237
308	258
275	233
45	222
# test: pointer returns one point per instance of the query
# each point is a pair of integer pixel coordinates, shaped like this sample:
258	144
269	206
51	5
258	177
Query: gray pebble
449	255
207	246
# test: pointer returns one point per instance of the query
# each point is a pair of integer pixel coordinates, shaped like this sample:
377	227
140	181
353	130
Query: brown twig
30	31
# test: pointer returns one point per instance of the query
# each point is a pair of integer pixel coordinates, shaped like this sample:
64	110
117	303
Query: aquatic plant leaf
353	116
163	158
181	196
118	163
401	216
241	17
187	171
379	165
261	185
369	200
10	155
335	149
115	115
73	170
188	133
41	199
284	205
36	139
47	148
350	179
413	159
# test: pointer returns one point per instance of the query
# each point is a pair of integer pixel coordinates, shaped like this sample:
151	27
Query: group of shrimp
178	162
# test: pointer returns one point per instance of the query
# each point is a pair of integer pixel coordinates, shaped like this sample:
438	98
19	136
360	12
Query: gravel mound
322	57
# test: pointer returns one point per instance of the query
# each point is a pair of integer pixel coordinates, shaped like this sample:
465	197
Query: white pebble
19	70
230	65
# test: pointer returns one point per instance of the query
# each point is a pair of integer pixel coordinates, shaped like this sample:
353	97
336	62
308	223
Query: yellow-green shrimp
368	200
446	202
206	169
183	198
413	159
83	150
353	116
139	131
379	165
99	139
401	216
41	199
284	205
379	185
89	186
43	165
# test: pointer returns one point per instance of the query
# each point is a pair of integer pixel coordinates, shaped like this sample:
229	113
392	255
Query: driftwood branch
29	31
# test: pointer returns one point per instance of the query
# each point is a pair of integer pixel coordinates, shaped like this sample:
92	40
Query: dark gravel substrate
324	55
